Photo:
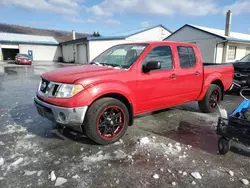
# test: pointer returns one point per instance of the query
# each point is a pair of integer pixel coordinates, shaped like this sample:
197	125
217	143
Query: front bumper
70	117
24	62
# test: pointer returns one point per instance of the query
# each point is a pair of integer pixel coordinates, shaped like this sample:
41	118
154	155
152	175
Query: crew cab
102	98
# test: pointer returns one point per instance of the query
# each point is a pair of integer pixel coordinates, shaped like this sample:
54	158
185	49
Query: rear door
190	73
157	89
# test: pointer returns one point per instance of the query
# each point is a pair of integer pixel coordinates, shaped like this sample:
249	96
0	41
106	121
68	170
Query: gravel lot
161	149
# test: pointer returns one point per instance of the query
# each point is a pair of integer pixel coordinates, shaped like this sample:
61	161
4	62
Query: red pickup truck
102	98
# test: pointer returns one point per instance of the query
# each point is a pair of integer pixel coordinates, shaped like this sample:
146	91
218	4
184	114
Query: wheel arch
217	81
124	100
220	84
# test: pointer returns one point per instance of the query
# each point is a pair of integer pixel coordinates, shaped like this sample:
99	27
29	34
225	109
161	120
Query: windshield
122	56
22	55
246	58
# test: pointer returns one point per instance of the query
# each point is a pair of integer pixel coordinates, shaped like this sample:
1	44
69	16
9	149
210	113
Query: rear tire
209	103
101	119
223	145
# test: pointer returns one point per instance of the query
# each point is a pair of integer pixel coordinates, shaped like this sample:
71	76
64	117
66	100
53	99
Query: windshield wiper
96	63
108	64
115	65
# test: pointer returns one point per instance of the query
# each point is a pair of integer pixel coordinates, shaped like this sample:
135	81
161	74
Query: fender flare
116	90
212	79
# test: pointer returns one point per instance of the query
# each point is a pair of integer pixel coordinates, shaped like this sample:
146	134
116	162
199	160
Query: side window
232	52
186	56
161	54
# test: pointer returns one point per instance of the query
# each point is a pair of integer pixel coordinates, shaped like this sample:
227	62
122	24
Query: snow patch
60	181
76	176
119	154
178	148
245	181
29	173
1	161
116	155
174	183
23	145
144	140
117	181
156	176
231	173
1	178
28	121
27	136
57	162
1	143
170	145
52	176
10	129
159	148
17	162
119	142
196	175
39	173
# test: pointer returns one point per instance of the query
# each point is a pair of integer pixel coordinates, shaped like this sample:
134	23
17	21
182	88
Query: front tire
223	145
209	103
106	121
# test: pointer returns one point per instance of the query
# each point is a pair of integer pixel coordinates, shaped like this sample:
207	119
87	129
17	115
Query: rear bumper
70	117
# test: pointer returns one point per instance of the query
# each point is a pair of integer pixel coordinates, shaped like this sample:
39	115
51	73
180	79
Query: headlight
68	90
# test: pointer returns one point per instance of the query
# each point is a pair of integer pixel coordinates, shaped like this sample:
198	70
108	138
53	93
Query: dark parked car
241	74
242	64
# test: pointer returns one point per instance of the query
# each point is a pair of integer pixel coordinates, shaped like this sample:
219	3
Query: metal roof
119	36
137	31
234	36
27	39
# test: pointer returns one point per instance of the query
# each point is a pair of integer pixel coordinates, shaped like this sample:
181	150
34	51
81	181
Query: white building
86	49
215	46
40	48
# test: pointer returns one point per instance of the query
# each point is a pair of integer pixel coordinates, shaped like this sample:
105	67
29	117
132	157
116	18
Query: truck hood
70	74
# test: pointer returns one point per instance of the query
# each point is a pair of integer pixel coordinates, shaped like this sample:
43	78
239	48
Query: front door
157	89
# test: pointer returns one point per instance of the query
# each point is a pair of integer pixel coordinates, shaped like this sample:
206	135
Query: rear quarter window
186	56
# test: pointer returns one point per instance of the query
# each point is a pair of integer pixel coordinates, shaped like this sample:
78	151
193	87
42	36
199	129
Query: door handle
173	76
197	73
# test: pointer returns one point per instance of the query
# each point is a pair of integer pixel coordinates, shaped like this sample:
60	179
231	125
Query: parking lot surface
169	148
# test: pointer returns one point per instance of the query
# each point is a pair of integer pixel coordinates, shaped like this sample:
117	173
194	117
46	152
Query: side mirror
151	65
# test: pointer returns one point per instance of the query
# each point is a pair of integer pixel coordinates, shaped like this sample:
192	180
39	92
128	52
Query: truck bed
216	64
224	71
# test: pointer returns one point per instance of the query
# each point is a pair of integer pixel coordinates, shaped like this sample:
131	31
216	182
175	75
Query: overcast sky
115	16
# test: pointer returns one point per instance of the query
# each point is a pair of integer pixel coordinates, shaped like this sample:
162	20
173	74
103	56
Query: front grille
44	85
49	88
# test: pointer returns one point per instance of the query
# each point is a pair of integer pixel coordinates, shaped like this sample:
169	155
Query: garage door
82	54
